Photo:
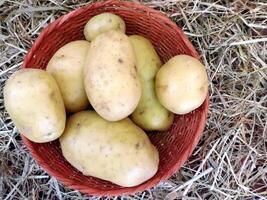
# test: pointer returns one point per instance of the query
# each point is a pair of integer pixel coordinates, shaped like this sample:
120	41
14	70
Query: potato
66	66
110	76
149	114
119	152
33	100
102	23
182	84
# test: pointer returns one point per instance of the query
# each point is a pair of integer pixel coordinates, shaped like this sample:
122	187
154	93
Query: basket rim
186	152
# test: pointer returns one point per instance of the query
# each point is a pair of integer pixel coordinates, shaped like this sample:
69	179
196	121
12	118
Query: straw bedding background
230	161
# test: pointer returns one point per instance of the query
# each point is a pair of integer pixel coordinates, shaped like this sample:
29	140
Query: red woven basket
174	146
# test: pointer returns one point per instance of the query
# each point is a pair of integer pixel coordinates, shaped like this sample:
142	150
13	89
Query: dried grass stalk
230	162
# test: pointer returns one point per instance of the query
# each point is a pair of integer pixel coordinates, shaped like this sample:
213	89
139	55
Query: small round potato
34	103
102	23
182	84
110	76
119	152
150	115
66	66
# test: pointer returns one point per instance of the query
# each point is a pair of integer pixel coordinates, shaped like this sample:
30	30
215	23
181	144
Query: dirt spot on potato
133	75
52	95
163	87
104	106
135	68
60	56
141	112
138	145
48	134
118	27
121	104
82	168
120	60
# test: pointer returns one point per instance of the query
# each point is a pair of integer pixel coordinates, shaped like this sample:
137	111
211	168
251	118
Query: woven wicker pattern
174	146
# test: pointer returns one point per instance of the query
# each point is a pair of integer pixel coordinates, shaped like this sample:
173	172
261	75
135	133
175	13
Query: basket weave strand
175	145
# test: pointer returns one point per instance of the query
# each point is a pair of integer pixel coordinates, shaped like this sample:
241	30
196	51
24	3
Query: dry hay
230	161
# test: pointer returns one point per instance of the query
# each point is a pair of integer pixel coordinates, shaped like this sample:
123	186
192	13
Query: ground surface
230	161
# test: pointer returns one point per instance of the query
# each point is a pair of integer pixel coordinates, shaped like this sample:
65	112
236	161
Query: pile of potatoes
129	91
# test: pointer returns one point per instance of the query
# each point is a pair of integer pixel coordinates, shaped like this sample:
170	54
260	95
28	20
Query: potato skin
102	23
33	100
150	115
182	84
110	77
119	152
66	66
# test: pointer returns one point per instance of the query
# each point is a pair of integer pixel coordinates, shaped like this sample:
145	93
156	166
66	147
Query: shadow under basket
174	146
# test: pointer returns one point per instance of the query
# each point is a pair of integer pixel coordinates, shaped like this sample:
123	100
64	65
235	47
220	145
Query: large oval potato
34	103
182	84
66	66
102	23
110	76
149	114
119	152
